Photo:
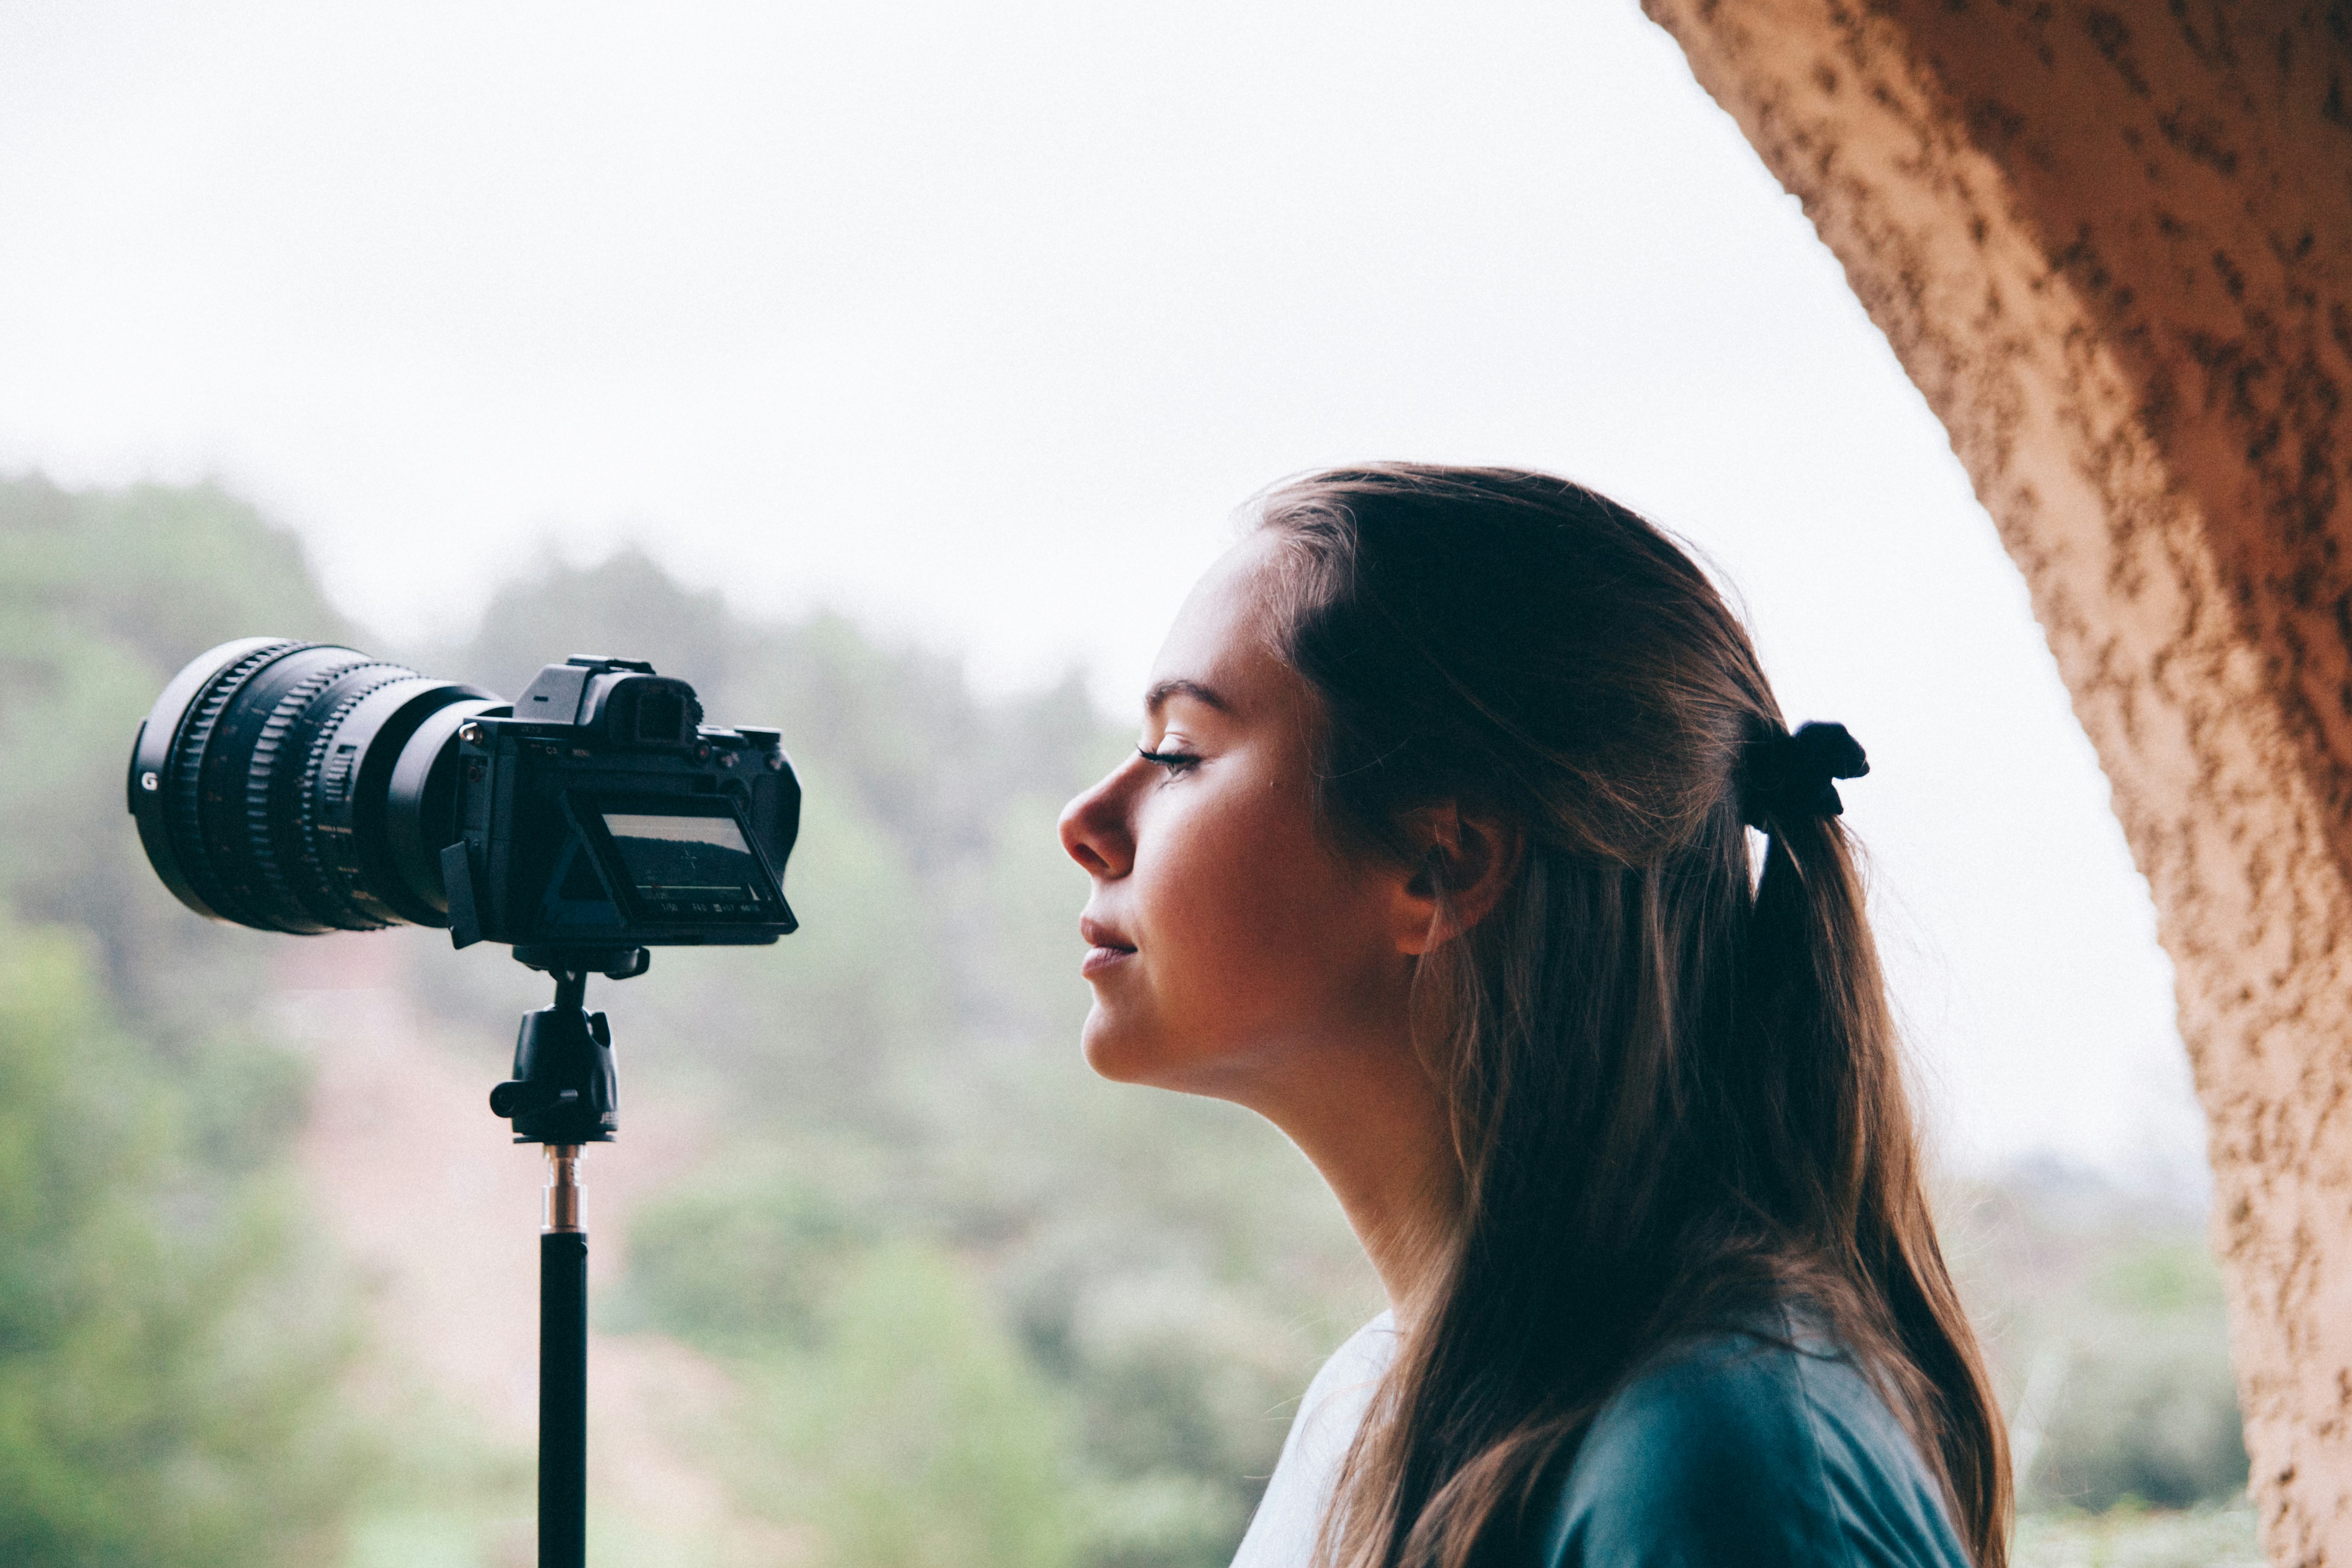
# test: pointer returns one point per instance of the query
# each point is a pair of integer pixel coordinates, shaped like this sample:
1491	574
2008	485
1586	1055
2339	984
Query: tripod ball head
564	1088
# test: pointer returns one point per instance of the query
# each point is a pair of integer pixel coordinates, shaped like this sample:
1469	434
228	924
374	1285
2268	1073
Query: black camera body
304	787
601	813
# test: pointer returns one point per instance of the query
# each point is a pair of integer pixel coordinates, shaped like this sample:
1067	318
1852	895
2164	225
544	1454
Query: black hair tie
1786	777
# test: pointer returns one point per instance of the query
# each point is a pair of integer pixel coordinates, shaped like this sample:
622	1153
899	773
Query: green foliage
2160	1276
2105	1316
104	595
162	1370
912	1435
741	1270
167	571
170	1343
2131	1535
445	1493
625	606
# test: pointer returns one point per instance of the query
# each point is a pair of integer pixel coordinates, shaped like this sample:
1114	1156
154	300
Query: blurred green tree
2102	1311
166	1373
2148	1408
170	1343
913	1435
104	595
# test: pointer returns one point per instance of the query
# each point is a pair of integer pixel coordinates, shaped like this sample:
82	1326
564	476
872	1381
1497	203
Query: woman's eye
1174	762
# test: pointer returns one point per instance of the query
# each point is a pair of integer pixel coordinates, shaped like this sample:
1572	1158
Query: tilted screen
688	865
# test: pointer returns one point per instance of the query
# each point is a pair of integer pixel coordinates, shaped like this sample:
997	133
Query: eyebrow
1157	698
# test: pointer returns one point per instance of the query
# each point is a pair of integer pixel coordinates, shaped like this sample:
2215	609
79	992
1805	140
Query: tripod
564	1095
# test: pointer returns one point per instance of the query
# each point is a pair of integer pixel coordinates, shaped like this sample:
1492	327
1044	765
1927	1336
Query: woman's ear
1462	864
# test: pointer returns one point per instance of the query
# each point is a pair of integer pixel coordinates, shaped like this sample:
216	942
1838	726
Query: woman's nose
1095	831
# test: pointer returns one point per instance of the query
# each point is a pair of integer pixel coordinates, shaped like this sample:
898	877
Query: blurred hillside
939	1298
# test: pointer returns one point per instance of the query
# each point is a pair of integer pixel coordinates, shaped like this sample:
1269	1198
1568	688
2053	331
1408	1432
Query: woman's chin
1113	1052
1118	1050
1149	1059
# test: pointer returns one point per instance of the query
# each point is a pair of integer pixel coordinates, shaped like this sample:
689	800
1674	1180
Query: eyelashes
1176	762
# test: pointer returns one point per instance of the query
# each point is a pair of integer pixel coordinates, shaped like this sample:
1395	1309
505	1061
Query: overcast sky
978	321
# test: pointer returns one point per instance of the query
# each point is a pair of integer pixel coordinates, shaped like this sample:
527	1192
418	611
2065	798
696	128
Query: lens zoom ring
329	855
186	804
261	775
266	805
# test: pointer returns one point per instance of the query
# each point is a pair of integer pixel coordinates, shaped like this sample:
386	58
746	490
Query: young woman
1437	852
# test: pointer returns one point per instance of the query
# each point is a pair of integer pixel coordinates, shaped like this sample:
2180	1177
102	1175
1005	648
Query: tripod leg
562	1372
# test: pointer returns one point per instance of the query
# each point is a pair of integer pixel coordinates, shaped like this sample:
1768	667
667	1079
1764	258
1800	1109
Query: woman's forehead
1223	637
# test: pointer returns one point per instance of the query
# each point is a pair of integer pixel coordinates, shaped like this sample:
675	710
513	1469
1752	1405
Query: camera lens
295	786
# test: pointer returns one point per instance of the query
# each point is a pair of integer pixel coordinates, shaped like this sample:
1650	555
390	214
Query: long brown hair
1677	1087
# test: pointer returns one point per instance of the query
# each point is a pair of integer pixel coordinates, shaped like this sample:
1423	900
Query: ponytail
1828	1035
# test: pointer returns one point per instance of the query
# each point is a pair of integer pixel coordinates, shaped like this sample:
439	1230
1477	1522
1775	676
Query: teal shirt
1736	1452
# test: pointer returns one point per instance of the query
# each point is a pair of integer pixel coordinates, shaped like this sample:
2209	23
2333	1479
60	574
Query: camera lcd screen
687	866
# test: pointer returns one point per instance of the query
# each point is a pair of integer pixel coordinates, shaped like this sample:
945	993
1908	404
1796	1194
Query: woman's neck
1380	1134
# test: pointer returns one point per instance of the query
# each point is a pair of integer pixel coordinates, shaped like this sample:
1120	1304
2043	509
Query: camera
305	787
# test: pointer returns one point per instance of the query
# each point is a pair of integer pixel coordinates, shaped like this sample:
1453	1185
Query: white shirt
1282	1533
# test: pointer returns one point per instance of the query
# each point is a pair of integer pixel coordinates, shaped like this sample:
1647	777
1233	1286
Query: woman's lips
1105	947
1099	959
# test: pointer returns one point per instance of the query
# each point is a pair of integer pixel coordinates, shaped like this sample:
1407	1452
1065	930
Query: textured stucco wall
2112	244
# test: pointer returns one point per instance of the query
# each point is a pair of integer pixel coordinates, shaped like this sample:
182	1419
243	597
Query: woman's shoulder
1282	1532
1749	1447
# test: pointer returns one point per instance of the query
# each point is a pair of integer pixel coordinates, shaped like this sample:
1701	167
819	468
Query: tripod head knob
518	1098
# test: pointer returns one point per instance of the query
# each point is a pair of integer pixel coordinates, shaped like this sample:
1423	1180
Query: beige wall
2113	245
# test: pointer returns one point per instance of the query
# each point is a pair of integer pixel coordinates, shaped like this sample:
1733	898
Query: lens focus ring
186	774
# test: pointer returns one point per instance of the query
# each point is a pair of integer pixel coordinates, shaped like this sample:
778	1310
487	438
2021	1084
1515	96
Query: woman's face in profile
1230	946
